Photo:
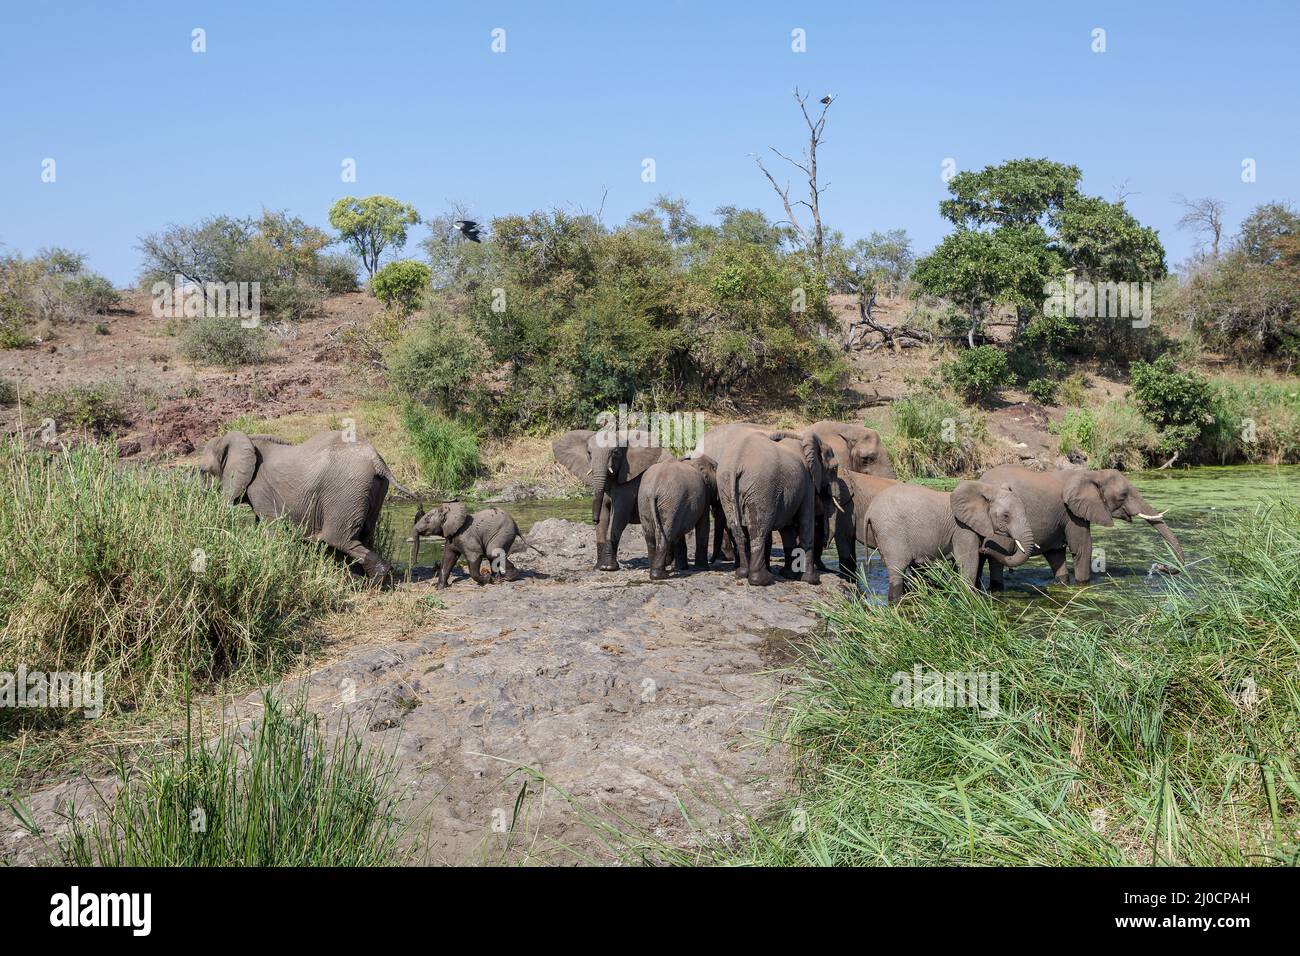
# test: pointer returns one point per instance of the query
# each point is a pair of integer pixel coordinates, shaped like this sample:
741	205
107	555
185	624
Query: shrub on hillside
399	285
222	341
977	374
1042	390
438	363
1180	403
53	286
99	409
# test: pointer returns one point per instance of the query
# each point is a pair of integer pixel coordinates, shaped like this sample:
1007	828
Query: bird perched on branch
468	228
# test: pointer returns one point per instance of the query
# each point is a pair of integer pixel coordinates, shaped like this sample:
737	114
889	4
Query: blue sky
144	132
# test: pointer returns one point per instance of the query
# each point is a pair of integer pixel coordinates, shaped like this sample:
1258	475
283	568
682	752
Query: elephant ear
238	464
708	469
970	506
1083	499
812	458
570	451
456	520
637	460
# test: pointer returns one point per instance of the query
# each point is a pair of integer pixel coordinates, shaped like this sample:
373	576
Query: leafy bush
280	252
54	286
99	409
400	284
575	318
8	392
977	374
222	341
1114	436
283	794
933	437
1074	390
337	274
446	449
1179	403
148	576
1043	390
438	363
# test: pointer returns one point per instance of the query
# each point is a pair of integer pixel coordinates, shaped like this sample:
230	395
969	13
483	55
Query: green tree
977	270
371	225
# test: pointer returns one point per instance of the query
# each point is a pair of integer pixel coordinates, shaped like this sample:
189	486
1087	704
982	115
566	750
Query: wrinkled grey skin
675	498
766	485
610	463
1062	507
854	493
856	448
911	526
490	534
332	488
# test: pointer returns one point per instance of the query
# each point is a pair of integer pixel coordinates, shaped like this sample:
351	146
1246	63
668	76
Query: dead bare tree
816	128
1203	217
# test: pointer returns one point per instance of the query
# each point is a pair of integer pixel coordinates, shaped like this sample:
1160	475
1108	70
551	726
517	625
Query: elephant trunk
415	536
599	482
1139	508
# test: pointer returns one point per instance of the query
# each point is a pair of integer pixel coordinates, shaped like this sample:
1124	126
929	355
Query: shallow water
1196	499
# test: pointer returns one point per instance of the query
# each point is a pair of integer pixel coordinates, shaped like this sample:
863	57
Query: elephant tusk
837	505
588	472
1019	546
1153	517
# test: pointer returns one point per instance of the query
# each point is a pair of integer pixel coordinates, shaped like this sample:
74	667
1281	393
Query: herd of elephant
833	480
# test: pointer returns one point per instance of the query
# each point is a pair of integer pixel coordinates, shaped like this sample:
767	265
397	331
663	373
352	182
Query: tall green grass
933	437
447	449
1141	730
146	576
280	794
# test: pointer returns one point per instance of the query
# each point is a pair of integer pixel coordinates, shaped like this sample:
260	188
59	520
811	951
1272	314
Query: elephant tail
530	546
383	471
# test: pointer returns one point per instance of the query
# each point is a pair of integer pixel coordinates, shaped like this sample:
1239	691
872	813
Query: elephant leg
475	562
651	551
448	561
620	517
995	576
759	537
1078	537
807	534
702	542
966	551
897	586
374	566
680	562
788	546
1056	561
821	536
846	547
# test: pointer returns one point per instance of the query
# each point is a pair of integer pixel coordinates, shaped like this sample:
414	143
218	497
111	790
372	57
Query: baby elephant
676	496
488	534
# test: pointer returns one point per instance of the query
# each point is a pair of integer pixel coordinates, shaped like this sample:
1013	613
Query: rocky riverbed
626	695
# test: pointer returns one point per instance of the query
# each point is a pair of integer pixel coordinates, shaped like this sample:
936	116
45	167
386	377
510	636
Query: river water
1195	498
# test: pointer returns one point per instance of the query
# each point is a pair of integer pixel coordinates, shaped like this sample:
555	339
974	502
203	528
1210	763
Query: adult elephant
331	487
856	449
610	462
1063	506
766	483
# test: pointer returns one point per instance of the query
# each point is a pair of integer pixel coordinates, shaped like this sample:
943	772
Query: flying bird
468	228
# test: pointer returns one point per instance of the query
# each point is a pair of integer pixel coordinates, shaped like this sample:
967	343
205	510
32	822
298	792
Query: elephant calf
912	526
674	497
489	534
